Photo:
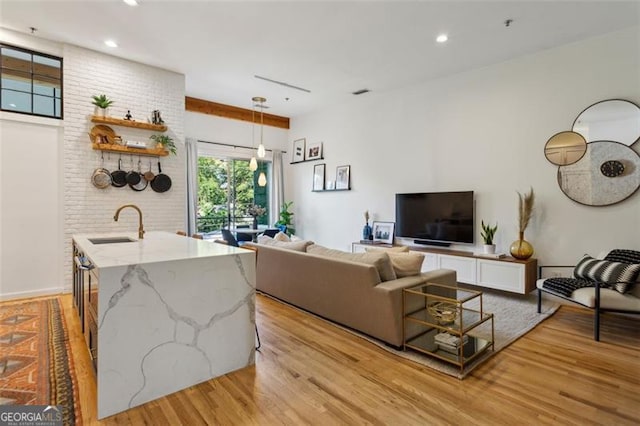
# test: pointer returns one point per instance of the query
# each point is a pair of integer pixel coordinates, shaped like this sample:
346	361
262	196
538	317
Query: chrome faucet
140	227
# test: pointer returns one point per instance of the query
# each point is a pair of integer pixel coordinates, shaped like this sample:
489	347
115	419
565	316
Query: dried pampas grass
525	208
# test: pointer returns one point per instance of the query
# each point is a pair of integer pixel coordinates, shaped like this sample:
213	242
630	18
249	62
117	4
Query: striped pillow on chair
620	276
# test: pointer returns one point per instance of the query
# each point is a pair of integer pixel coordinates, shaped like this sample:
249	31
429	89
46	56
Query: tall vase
255	222
521	249
366	232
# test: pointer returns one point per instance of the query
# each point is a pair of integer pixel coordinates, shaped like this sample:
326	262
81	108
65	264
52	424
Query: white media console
507	273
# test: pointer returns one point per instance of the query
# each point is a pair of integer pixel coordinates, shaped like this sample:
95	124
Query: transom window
30	82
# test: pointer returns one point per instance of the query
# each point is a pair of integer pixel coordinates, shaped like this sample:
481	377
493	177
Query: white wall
483	130
37	220
30	206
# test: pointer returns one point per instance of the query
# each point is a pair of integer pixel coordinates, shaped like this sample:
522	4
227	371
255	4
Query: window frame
32	93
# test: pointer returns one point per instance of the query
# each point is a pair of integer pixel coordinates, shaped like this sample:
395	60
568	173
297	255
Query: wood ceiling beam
236	113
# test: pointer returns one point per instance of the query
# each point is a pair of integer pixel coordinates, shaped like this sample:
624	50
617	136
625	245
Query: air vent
360	92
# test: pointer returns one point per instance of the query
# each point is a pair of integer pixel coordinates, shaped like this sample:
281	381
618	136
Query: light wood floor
309	372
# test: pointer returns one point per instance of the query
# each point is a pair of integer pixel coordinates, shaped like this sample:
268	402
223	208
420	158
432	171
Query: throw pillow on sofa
281	236
405	264
397	249
289	245
380	260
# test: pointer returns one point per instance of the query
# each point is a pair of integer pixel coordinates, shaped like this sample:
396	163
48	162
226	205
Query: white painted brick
140	89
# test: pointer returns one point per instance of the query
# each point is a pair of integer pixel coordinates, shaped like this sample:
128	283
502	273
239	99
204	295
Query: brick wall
140	89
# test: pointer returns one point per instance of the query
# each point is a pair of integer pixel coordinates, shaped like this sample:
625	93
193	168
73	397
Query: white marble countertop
157	246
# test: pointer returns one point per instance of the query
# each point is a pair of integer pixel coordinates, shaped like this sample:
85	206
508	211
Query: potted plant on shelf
488	232
102	103
165	142
286	219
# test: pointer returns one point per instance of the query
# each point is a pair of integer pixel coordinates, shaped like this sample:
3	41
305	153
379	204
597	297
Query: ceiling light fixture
253	163
261	151
131	2
111	43
442	38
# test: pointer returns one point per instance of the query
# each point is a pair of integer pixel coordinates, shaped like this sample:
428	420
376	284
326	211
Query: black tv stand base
432	243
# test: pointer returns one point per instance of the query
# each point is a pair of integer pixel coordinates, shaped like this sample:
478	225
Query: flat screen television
438	218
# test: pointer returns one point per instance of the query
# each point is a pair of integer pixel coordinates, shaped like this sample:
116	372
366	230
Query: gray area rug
514	316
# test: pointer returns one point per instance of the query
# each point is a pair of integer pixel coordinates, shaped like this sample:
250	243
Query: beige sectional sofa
344	291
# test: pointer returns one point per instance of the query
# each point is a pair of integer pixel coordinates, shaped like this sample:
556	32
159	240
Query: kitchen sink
111	240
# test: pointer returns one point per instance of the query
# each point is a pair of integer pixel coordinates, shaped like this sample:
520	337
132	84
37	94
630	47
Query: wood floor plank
310	372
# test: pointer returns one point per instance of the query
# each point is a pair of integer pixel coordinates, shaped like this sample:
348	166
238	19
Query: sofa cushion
405	264
281	236
619	275
289	245
396	249
380	259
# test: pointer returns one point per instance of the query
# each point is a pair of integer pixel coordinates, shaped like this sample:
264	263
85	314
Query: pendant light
262	179
253	163
261	151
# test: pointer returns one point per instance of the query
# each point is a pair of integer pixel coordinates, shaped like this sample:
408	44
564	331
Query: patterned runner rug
36	366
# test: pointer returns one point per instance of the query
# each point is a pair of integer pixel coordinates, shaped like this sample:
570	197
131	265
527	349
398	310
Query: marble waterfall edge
165	326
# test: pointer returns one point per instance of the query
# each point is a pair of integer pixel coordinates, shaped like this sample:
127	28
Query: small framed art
318	177
343	179
383	232
314	151
298	150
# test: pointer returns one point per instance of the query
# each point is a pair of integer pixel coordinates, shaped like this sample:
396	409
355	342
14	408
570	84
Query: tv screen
435	217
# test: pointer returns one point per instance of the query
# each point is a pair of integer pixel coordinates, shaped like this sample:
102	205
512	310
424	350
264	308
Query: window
30	82
226	189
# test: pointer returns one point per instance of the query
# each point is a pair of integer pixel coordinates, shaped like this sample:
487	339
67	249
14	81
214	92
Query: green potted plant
102	103
488	232
165	142
286	219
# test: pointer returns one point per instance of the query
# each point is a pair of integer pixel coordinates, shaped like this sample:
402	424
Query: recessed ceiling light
131	2
111	43
442	38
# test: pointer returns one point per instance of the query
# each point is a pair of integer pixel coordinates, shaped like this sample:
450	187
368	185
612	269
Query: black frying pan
162	182
133	177
119	177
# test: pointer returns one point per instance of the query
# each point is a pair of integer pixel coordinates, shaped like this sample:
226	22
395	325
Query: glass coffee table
439	322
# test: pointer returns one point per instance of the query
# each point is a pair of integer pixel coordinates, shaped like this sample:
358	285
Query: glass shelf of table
426	343
466	319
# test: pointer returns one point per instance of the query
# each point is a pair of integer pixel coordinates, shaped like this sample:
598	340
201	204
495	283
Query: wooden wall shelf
155	152
129	123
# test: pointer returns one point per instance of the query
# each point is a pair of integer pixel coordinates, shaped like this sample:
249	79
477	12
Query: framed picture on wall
314	151
318	177
383	232
298	150
342	177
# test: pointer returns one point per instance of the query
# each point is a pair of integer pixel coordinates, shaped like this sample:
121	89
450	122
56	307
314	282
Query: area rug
36	366
514	316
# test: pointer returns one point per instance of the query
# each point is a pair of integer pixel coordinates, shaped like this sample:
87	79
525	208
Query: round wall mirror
611	120
608	173
565	148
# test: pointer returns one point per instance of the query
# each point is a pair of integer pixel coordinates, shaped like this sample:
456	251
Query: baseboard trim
32	293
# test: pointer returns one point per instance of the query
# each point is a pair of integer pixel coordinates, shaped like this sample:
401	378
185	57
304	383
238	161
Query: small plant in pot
102	103
488	232
165	141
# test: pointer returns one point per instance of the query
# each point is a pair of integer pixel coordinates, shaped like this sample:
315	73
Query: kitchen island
162	313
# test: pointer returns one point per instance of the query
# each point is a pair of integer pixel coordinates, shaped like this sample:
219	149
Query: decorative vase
255	223
489	248
366	232
521	249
